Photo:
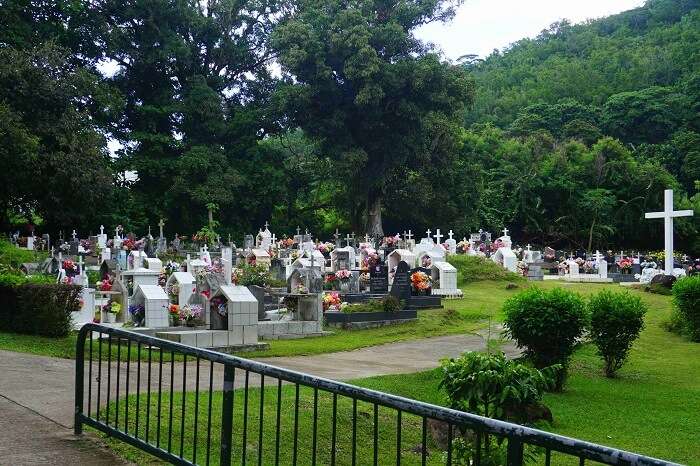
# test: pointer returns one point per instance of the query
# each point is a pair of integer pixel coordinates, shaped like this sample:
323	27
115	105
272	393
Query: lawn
653	407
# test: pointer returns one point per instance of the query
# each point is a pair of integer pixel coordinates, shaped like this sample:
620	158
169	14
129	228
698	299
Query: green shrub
374	305
38	309
493	386
617	318
11	255
249	275
475	268
686	300
546	325
391	304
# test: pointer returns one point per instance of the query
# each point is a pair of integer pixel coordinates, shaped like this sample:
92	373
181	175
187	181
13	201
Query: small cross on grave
266	224
428	233
505	231
74	235
205	248
684	258
366	238
336	235
273	238
161	224
529	248
409	235
450	234
306	231
102	229
298	231
597	256
668	215
347	239
438	236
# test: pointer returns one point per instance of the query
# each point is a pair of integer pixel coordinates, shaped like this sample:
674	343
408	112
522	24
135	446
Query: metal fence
193	406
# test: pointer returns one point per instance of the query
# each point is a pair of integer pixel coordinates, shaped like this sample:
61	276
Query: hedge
686	300
38	309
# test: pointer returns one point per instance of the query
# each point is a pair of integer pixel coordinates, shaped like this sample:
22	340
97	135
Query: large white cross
450	234
597	256
668	214
438	236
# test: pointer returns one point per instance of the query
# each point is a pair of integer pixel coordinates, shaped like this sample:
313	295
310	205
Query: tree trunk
211	217
590	235
374	215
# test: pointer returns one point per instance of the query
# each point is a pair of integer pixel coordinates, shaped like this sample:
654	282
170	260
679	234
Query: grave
396	257
444	276
155	303
342	259
506	258
378	279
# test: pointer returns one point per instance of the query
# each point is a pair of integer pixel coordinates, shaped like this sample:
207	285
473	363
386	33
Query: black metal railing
188	405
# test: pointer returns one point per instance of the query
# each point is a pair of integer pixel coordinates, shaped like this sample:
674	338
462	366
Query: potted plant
343	277
109	312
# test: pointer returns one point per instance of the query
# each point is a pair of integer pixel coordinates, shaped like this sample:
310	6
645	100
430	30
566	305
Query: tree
372	95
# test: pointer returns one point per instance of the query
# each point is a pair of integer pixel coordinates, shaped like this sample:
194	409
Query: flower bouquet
70	267
625	265
105	284
138	314
190	314
343	276
420	282
331	301
174	314
426	261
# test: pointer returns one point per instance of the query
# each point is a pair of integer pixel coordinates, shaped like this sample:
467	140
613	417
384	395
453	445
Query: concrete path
39	390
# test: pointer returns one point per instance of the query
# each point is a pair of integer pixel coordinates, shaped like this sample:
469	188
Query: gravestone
248	242
278	269
401	286
378	279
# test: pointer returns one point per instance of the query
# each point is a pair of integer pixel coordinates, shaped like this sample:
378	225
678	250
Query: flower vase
344	286
108	318
191	323
174	322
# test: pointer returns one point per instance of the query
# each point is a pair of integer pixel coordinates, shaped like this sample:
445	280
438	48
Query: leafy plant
251	275
391	304
616	321
546	324
686	300
475	268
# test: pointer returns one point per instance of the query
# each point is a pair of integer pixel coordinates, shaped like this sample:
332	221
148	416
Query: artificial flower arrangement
286	243
138	314
579	261
370	259
496	245
625	264
331	301
172	290
70	267
463	247
190	313
563	267
391	241
522	268
218	303
301	289
325	248
343	275
420	281
86	245
426	261
105	284
174	314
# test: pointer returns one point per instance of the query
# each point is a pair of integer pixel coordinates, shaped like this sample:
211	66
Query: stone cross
205	248
266	224
336	235
438	236
428	233
347	239
450	234
684	258
161	224
528	247
409	235
102	229
597	256
306	231
366	238
505	231
668	215
116	232
149	231
74	235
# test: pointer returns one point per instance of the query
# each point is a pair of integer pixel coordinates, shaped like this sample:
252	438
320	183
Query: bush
391	304
249	275
546	324
475	268
686	300
493	386
616	321
38	309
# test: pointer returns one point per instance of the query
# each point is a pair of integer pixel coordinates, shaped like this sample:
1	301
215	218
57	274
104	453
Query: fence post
79	382
515	452
227	417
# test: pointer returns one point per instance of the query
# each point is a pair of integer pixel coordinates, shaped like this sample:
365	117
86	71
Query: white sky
483	25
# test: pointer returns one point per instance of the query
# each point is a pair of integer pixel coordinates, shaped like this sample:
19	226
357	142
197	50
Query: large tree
377	100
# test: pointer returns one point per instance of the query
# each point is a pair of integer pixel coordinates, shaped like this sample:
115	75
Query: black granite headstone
378	280
401	287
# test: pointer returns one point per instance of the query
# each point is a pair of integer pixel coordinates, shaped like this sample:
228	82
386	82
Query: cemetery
350	233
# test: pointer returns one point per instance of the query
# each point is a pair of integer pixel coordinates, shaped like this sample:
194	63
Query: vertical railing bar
375	435
160	394
184	398
138	388
296	425
109	375
277	428
196	415
244	449
89	410
334	428
315	428
211	395
398	437
515	452
148	396
581	461
128	371
99	373
449	444
354	431
79	381
227	415
424	442
547	457
478	448
260	419
170	405
119	355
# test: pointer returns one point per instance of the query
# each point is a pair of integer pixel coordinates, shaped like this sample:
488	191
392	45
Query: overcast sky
483	25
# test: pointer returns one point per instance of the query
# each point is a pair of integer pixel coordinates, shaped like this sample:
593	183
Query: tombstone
451	243
310	278
396	257
507	258
30	242
444	277
602	266
74	246
573	268
153	263
46	241
278	269
87	309
318	258
259	257
181	287
248	242
342	259
136	259
155	303
242	311
142	276
176	243
410	242
428	258
401	284
534	273
264	239
378	279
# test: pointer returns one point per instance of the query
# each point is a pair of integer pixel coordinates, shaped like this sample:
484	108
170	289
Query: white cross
102	229
116	232
347	239
505	231
205	248
307	231
668	214
409	235
684	258
529	248
450	234
438	236
597	256
428	233
266	224
366	238
149	231
74	234
161	224
336	235
298	231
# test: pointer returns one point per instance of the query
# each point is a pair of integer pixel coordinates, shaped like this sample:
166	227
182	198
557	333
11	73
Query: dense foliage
331	114
546	324
686	300
616	322
38	309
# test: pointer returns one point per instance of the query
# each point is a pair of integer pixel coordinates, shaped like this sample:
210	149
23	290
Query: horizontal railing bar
136	442
472	421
